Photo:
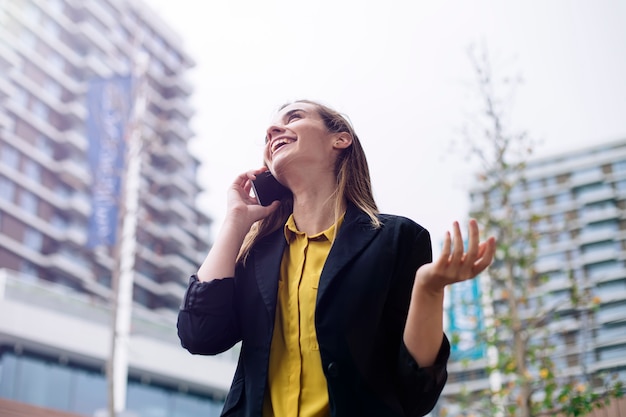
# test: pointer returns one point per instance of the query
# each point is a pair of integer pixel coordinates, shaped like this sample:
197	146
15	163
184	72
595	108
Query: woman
339	308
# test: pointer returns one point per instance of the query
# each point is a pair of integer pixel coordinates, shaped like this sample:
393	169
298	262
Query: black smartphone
267	188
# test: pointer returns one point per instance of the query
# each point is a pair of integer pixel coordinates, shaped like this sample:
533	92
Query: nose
273	131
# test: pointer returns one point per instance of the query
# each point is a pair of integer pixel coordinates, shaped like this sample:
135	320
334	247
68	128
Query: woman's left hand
454	264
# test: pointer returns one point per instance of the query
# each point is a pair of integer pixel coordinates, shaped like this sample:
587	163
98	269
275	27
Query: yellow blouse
296	382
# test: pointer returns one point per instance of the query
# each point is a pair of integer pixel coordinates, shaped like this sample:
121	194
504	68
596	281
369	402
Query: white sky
399	70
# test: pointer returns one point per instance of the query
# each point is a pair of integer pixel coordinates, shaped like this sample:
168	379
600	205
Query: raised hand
454	264
423	331
244	206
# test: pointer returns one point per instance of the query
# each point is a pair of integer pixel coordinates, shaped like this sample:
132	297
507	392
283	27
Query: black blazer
362	303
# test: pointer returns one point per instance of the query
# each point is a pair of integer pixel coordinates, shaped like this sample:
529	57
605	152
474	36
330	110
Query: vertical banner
465	320
109	107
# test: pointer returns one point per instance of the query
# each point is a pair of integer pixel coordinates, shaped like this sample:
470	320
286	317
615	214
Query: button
333	370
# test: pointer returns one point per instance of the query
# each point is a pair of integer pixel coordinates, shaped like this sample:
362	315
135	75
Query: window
58	222
10	157
597	247
40	110
32	170
28	39
598	209
7	189
51	27
45	146
603	269
538	203
587	190
29	271
613	312
21	97
54	89
534	185
33	239
610	289
604	226
587	174
619	166
563	198
551	257
611	353
28	201
56	61
76	257
67	387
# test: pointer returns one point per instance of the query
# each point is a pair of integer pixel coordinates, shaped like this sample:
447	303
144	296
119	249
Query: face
299	137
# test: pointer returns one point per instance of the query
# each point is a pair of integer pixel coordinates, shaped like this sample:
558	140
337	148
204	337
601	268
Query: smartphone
267	188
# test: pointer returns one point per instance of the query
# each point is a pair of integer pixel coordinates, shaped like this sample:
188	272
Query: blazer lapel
268	255
355	233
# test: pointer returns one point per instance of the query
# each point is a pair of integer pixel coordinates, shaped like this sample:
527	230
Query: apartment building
581	197
55	284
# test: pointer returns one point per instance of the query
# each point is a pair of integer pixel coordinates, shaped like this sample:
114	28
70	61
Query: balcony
180	263
70	84
74	110
589	236
178	84
599	255
96	67
53	42
47	129
601	194
606	213
578	179
168	262
63	263
87	31
169	289
72	172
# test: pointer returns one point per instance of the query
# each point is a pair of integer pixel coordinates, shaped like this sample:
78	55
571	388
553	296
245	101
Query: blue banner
466	320
109	107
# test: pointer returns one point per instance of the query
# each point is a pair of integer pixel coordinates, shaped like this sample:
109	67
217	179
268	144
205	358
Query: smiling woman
339	308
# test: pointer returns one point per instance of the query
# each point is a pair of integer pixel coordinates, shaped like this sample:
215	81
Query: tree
522	327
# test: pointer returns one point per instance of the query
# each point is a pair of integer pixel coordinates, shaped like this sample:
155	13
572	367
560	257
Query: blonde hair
353	182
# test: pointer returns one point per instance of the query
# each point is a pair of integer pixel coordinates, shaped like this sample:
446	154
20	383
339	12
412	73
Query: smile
280	142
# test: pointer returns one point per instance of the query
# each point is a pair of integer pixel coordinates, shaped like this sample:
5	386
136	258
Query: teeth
280	143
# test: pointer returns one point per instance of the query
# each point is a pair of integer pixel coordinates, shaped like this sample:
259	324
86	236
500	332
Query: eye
293	116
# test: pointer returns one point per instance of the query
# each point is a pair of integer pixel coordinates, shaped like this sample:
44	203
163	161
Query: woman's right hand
242	211
241	206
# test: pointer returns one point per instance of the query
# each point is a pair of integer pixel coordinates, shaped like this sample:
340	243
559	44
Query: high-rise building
55	285
581	197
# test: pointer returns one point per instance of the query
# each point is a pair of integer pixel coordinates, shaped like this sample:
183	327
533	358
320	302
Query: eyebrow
290	112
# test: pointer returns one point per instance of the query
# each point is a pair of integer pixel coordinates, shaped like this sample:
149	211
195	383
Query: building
581	196
55	287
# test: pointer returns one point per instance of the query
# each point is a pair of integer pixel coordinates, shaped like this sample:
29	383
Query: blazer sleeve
421	387
418	387
207	320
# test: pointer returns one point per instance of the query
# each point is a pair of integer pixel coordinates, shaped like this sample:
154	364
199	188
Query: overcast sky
399	70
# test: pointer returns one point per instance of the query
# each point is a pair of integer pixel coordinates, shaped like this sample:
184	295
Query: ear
342	140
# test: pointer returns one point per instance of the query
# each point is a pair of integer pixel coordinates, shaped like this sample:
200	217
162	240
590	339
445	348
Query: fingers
488	250
447	244
455	263
472	245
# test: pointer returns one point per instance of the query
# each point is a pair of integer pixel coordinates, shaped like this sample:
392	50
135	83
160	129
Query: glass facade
67	387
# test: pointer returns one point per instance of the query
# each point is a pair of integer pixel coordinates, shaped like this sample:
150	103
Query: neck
314	211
